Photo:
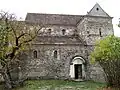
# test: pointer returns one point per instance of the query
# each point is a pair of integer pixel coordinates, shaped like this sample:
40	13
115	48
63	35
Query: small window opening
35	54
88	32
49	31
55	54
63	32
97	9
100	32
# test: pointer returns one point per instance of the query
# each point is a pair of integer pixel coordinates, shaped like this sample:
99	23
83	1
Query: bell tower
96	25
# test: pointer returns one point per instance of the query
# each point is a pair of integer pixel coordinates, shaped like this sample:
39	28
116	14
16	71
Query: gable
97	11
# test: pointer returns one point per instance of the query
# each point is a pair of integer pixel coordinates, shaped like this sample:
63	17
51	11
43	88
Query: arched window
55	54
88	32
49	31
35	54
63	32
100	32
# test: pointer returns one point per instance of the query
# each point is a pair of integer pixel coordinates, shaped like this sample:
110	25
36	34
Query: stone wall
67	46
56	30
91	27
97	73
45	54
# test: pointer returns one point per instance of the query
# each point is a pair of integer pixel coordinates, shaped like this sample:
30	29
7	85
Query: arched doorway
77	68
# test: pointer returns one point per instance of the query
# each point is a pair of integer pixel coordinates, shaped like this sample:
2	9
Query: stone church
63	46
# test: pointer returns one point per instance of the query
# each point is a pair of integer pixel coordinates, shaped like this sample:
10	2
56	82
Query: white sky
80	7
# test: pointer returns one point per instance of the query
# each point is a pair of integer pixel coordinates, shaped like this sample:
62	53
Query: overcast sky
79	7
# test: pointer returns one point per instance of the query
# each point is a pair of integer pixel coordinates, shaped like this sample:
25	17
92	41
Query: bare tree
15	37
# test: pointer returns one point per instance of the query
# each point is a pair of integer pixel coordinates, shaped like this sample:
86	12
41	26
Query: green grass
60	85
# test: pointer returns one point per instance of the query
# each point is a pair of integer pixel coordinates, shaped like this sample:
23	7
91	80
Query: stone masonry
62	48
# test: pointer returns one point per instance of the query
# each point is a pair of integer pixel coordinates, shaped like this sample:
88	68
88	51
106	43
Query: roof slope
63	19
49	19
97	11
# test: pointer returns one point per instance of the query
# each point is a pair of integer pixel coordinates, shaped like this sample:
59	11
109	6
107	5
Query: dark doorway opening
78	71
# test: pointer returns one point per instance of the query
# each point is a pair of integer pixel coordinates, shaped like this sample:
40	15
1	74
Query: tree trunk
6	77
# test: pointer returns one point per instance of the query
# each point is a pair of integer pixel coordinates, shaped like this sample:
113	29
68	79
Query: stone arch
78	56
77	68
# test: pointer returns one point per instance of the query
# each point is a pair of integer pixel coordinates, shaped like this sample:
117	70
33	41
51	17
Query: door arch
77	68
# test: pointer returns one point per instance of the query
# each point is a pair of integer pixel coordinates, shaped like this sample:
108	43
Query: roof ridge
55	14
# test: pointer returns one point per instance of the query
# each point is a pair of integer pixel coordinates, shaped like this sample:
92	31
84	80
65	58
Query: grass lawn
60	85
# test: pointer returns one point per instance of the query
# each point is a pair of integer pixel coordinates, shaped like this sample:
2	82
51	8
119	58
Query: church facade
63	46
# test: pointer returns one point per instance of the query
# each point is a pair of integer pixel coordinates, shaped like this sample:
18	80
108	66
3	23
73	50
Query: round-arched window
100	32
55	54
35	54
63	32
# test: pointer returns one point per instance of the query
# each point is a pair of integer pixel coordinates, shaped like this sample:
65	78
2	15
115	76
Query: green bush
107	53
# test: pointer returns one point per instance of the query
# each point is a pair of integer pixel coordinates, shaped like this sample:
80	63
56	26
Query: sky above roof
75	7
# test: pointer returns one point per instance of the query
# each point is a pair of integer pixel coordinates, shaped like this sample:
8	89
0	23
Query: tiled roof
50	19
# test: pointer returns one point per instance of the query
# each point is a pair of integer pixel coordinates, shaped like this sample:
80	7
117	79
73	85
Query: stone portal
77	68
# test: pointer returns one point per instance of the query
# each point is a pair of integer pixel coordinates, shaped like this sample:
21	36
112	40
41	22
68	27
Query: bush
107	53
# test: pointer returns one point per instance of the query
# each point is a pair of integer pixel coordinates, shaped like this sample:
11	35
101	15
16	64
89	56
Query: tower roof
97	11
